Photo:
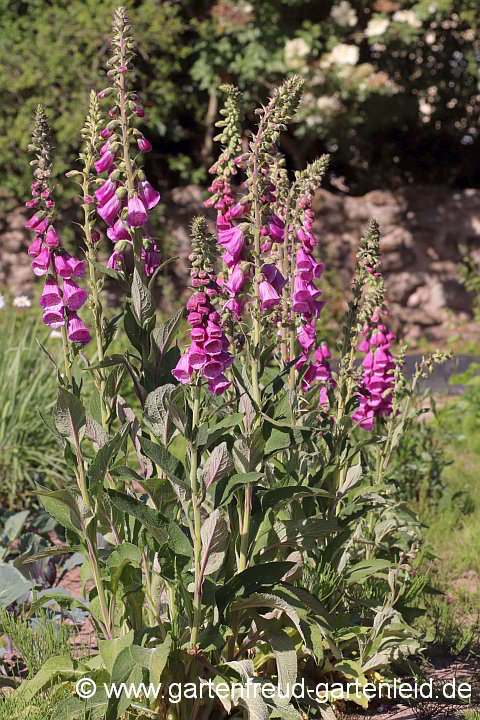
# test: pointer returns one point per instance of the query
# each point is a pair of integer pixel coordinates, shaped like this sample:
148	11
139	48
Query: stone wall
425	233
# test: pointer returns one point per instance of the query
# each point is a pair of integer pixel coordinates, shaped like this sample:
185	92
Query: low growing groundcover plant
258	536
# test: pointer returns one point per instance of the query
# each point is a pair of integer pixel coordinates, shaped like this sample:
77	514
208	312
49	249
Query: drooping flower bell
137	214
76	329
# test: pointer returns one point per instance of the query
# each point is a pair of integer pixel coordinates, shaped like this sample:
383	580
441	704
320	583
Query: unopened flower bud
105	93
120	245
121	192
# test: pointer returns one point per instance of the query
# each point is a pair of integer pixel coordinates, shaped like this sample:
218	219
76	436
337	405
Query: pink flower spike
36	246
105	134
51	238
268	296
51	294
74	297
41	263
54	316
77	332
137	214
144	145
105	162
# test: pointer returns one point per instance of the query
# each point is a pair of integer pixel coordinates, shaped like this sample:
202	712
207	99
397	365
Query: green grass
28	452
454	526
453	536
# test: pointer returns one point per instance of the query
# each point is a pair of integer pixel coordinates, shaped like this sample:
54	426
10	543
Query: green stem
137	242
197	603
256	280
97	307
66	356
81	480
100	589
245	529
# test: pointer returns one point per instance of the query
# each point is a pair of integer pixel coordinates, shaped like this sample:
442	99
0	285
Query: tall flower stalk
126	197
60	302
91	135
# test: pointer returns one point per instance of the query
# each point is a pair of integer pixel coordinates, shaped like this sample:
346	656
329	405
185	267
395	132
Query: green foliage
418	464
28	452
51	53
383	80
42	708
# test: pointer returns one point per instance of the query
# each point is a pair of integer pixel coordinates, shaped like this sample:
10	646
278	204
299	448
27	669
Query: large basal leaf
128	668
76	709
13	585
367	568
285	652
110	649
125	670
252	579
61	667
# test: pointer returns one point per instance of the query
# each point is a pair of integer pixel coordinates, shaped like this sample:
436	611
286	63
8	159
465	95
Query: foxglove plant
60	300
377	383
237	474
125	196
207	356
86	179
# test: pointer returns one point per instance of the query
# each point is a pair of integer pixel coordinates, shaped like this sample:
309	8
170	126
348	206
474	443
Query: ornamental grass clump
234	526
